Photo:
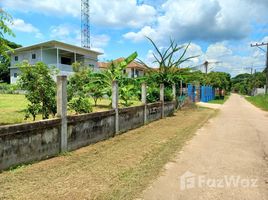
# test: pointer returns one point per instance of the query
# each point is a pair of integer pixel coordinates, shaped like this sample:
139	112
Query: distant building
133	70
53	53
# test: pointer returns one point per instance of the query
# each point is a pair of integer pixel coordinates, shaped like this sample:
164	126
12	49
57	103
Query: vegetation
6	88
245	83
5	45
12	108
219	100
260	101
119	168
80	105
41	89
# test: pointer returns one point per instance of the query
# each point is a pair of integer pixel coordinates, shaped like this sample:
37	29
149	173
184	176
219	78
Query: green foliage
6	88
40	87
80	105
114	72
219	80
245	83
4	30
168	62
95	90
126	93
76	82
5	45
168	95
260	101
153	94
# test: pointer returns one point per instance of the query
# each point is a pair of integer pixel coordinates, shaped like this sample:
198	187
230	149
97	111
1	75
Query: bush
41	89
153	94
168	94
80	105
6	88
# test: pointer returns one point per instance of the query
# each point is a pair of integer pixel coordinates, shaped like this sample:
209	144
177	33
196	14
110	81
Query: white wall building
53	53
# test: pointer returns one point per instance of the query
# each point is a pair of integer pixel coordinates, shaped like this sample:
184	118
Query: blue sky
219	30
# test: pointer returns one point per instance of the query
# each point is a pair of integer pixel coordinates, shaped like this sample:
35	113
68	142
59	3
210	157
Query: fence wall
25	143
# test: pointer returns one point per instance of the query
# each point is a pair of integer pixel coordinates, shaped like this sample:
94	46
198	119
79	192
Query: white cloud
139	36
209	20
58	8
115	14
22	26
70	34
222	52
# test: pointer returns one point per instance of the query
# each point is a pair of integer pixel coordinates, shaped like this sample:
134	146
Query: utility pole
206	67
266	69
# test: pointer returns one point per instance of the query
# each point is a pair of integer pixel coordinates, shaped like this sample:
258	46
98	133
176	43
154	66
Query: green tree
95	90
168	62
82	76
114	72
5	45
5	19
5	63
40	87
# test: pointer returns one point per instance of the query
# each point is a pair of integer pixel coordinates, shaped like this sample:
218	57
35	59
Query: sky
219	30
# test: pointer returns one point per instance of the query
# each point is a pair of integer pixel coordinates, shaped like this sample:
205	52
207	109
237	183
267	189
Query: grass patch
261	101
12	107
118	168
220	101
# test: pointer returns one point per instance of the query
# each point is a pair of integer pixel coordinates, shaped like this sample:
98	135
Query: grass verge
118	168
260	101
220	101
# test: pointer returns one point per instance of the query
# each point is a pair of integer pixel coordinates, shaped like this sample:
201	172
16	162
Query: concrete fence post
115	100
144	100
162	99
174	92
62	110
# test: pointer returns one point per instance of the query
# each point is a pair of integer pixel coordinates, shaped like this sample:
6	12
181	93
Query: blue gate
207	93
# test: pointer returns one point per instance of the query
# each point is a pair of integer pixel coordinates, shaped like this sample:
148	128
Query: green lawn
12	108
260	101
219	101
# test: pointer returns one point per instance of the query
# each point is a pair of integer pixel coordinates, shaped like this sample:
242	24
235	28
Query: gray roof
54	43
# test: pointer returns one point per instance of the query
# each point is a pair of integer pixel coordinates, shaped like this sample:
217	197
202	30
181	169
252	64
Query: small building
53	53
133	70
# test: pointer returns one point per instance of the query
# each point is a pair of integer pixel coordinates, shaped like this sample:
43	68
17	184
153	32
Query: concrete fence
26	143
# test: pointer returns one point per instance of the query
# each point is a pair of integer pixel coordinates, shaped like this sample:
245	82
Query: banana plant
114	72
167	61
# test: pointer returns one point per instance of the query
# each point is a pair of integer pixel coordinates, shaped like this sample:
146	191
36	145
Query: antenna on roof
85	24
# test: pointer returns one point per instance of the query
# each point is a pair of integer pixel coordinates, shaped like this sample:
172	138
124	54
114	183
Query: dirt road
227	159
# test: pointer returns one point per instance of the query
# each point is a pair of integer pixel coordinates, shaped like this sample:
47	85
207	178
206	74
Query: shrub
153	94
168	94
6	88
80	105
40	89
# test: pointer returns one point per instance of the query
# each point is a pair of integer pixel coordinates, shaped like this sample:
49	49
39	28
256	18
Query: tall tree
5	63
5	45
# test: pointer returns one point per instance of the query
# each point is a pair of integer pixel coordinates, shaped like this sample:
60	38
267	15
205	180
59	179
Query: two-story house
133	70
53	53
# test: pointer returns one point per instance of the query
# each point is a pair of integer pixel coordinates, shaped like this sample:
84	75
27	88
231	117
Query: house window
33	56
66	61
16	58
15	75
124	71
